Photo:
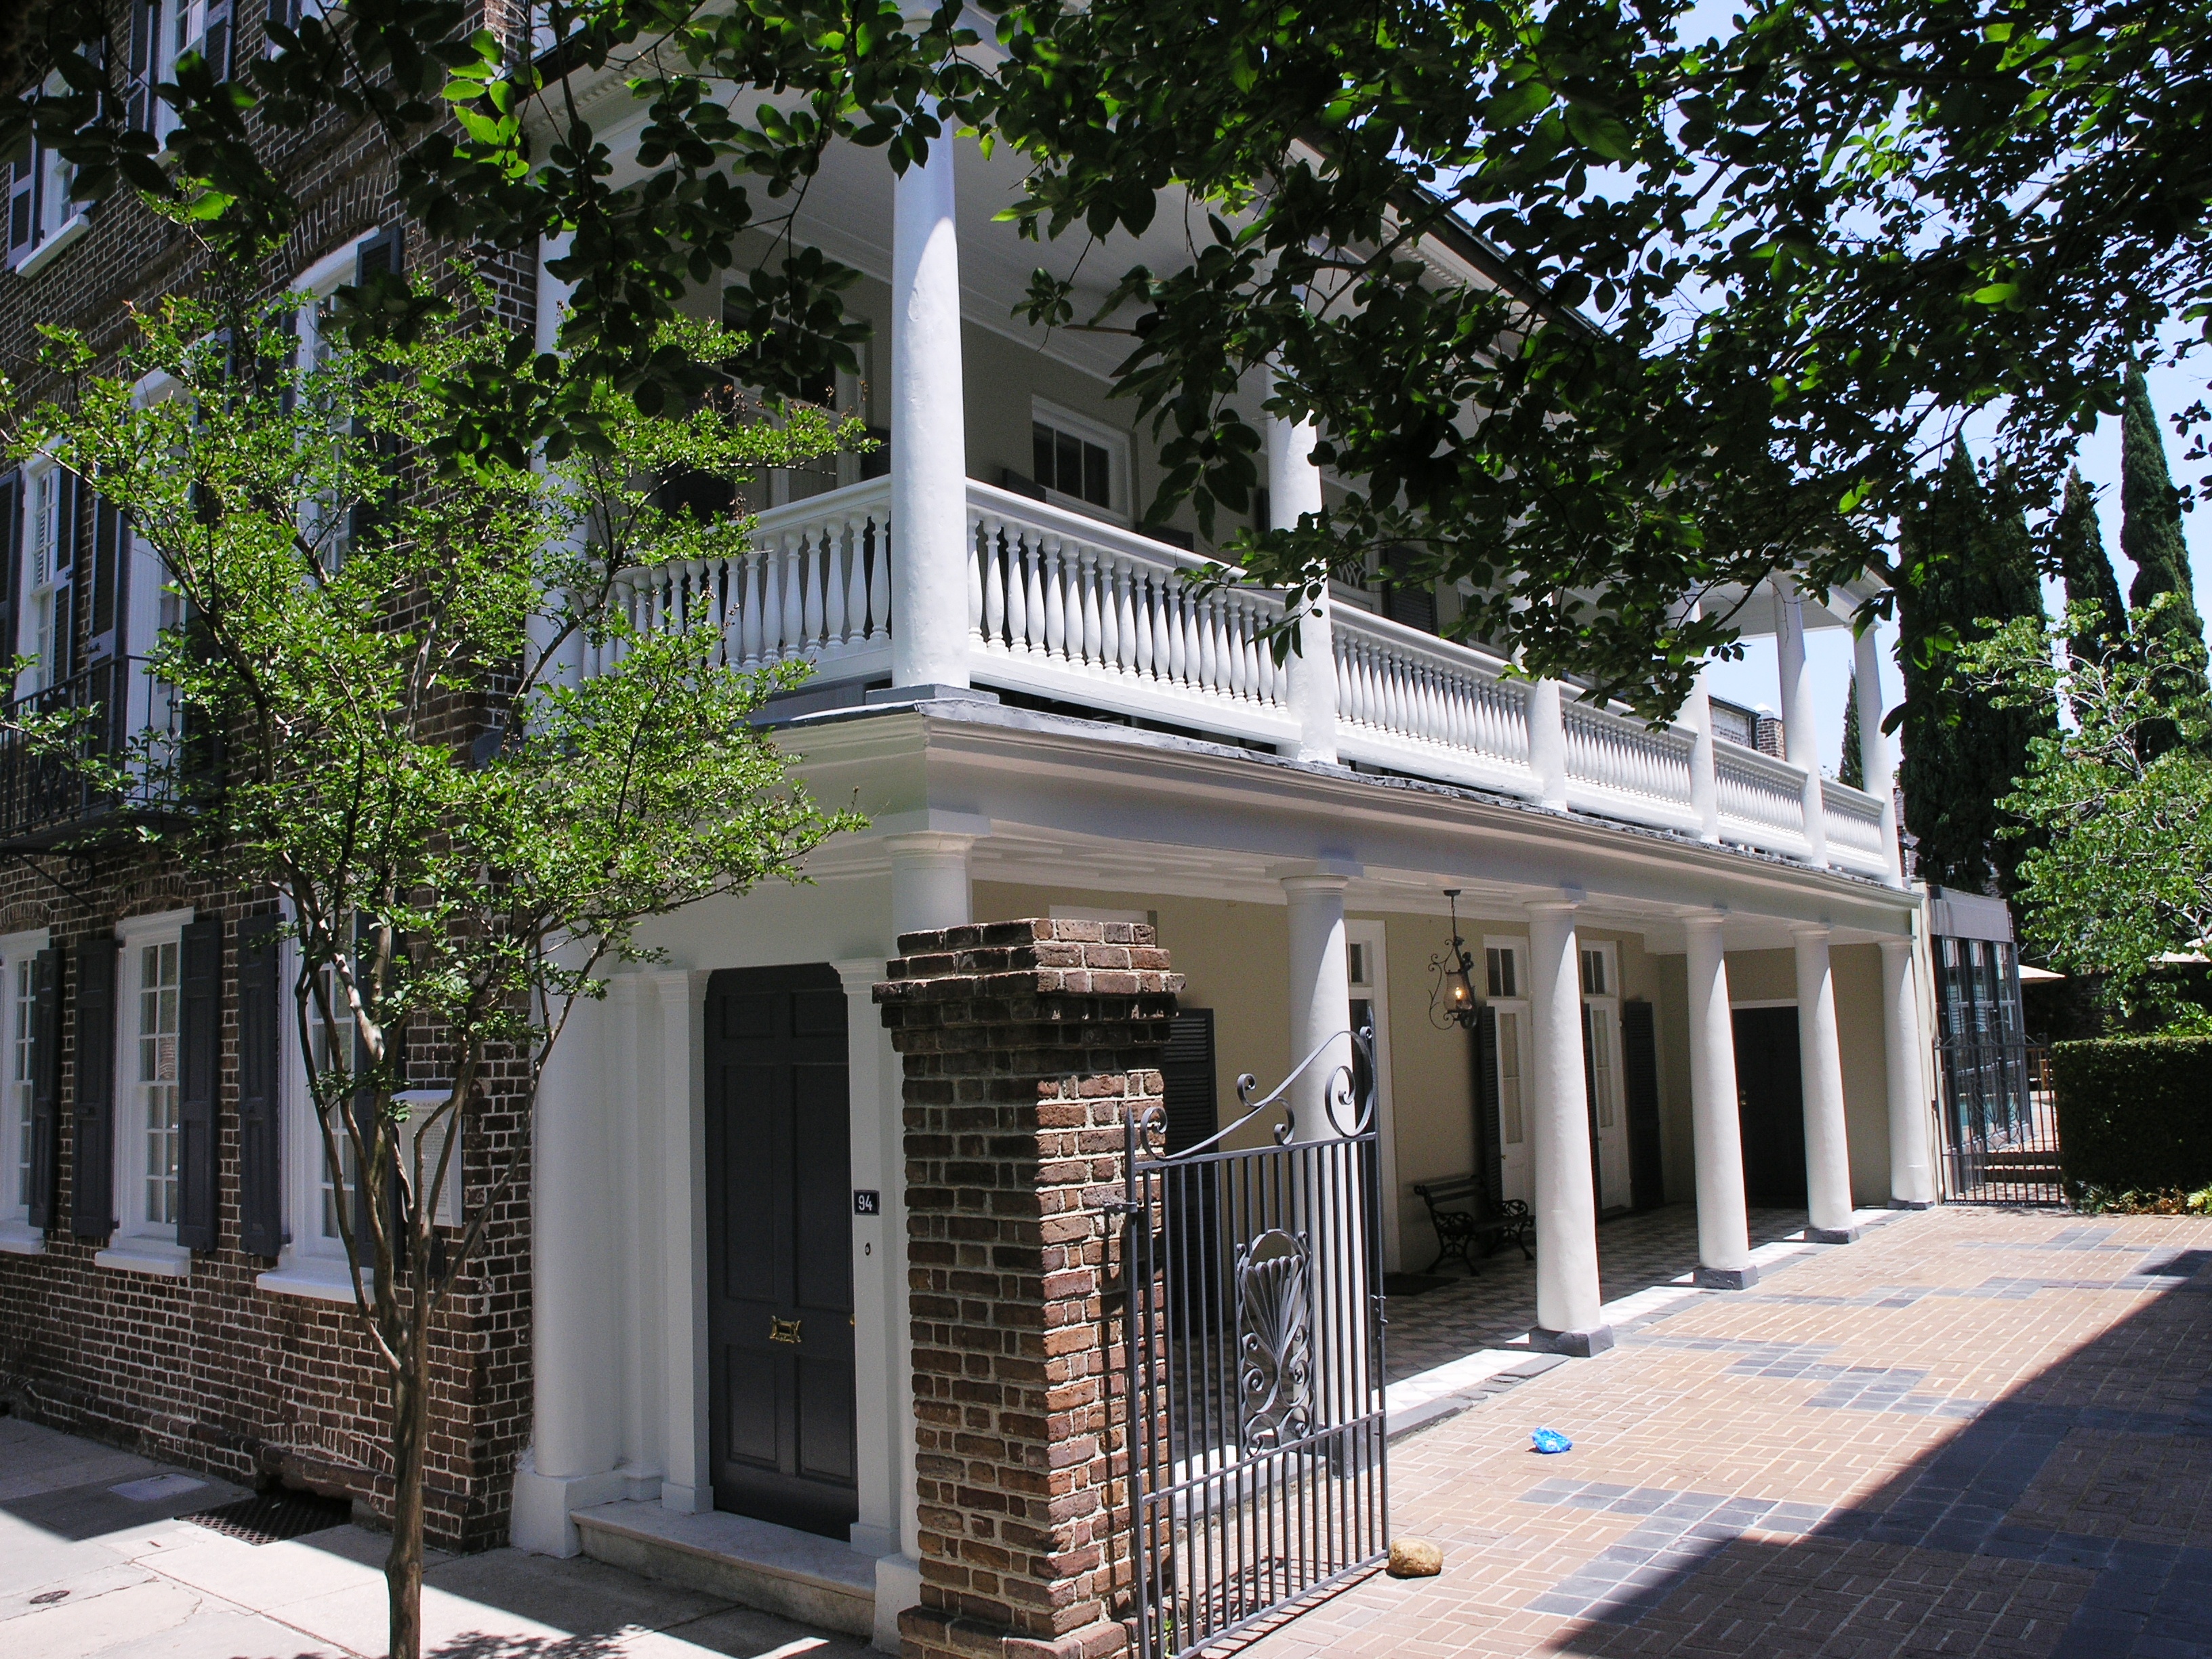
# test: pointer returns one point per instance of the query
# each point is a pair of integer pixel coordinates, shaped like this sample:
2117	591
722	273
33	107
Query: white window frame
1611	1081
318	283
57	218
167	49
1116	446
140	1244
1371	936
18	953
1519	1152
42	531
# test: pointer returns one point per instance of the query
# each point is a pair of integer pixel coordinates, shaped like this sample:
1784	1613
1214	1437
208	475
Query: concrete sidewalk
87	1571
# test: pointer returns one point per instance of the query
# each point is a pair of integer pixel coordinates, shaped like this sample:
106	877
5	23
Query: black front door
1770	1107
780	1251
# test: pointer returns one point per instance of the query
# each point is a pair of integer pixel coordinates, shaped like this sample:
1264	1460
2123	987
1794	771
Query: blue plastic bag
1551	1440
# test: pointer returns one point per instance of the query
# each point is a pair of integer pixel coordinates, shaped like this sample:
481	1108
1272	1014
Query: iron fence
115	712
2000	1121
1254	1360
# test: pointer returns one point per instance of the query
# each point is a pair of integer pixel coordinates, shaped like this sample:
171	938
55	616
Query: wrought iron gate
2000	1122
1254	1359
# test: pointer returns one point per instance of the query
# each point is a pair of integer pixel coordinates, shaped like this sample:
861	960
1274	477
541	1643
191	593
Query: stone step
815	1580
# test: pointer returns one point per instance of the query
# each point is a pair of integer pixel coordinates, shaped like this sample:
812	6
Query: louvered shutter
45	1036
139	96
1190	1191
92	1157
68	539
260	1094
105	582
217	43
23	201
1489	1136
1187	1077
1639	1066
199	1070
11	557
381	255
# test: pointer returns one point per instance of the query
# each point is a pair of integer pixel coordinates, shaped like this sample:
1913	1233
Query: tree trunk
410	1444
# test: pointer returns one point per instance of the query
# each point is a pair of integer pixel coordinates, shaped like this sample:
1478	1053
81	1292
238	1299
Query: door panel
1770	1106
780	1273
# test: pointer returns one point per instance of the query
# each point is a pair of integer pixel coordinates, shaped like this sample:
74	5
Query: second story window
163	32
1078	463
44	214
48	549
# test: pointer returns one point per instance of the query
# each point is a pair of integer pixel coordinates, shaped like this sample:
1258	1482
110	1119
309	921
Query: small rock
1415	1557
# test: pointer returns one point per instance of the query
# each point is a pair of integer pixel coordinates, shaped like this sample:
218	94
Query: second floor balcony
1065	611
120	719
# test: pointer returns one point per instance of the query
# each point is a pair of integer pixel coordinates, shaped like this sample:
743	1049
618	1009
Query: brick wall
1026	1046
211	1371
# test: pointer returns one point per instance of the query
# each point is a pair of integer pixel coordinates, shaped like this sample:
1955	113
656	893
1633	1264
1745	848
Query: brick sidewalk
1972	1432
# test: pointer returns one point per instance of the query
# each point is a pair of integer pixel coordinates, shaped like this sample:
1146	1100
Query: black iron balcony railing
121	719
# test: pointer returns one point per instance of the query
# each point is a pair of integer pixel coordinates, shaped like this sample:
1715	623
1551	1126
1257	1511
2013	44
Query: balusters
833	590
994	587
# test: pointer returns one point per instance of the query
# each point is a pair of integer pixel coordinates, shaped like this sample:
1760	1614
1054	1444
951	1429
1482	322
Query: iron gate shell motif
1253	1358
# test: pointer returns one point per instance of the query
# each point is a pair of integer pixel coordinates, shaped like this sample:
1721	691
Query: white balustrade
815	583
1855	833
1065	608
1619	755
1762	799
1414	702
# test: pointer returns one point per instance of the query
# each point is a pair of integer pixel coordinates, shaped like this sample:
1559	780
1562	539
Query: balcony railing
1064	608
122	715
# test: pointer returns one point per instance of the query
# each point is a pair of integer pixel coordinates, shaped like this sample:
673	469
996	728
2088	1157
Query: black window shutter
260	1169
199	1070
111	547
138	114
46	1087
1488	1150
11	555
218	38
1187	1079
1639	1067
91	1170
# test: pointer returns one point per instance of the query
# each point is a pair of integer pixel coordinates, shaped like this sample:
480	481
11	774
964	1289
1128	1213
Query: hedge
2135	1114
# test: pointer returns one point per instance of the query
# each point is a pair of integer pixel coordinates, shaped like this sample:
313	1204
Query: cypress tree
1852	770
1965	555
2150	536
2079	543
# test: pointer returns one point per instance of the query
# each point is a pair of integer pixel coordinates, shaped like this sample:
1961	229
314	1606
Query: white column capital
1704	922
1811	930
1900	948
1546	907
859	975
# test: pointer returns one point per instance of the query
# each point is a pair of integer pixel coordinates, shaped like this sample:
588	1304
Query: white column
929	884
1321	990
1874	747
1717	1135
1800	732
1820	1062
575	1433
1547	743
1912	1177
1568	1318
688	1488
633	1076
1294	487
880	1415
929	441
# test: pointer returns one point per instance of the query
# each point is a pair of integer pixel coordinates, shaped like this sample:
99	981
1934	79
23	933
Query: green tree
2079	545
463	834
1970	560
2150	536
1826	239
1851	768
2119	871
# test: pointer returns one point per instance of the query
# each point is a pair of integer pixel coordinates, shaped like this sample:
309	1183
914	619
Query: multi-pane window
1072	465
332	1041
46	643
20	1009
1598	1032
1503	976
156	1076
1593	977
1508	1075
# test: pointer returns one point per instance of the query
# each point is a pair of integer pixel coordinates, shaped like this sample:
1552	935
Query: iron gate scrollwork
1257	1466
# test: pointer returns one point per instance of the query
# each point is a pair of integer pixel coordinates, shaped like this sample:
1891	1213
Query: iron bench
1465	1215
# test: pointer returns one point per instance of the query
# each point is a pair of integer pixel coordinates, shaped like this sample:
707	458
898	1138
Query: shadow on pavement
2070	1518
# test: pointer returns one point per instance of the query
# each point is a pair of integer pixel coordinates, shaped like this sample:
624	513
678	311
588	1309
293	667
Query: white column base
543	1503
898	1586
681	1499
